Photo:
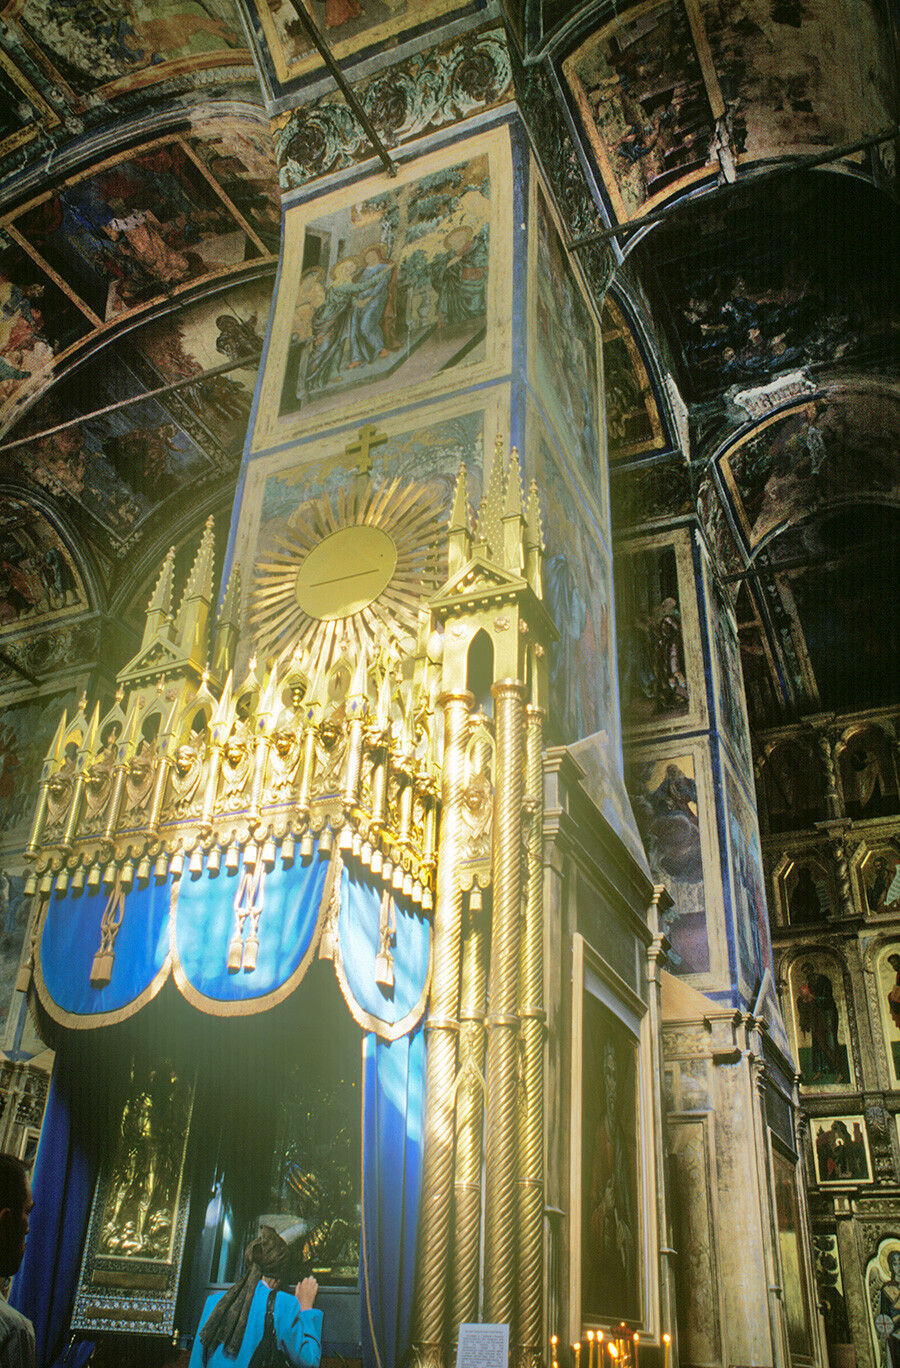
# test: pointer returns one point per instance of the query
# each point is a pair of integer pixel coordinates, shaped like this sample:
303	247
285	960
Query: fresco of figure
371	334
817	1013
461	278
889	1305
330	329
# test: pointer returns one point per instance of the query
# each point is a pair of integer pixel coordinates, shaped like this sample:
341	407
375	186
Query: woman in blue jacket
233	1322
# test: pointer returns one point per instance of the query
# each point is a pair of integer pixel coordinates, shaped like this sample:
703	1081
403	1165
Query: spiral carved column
530	1183
437	1179
469	1126
502	1019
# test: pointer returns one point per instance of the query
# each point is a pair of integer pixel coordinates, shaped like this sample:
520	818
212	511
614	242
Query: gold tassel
235	953
250	949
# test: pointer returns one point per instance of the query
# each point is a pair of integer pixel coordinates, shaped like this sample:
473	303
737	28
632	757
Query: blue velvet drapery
393	1115
65	1173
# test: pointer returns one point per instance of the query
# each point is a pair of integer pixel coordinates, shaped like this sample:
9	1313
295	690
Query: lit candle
613	1349
577	1349
553	1344
590	1340
637	1341
667	1340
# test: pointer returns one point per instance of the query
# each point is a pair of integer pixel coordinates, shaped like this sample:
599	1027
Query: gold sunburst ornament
348	573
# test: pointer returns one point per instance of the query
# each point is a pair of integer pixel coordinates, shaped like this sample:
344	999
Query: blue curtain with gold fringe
393	1115
194	932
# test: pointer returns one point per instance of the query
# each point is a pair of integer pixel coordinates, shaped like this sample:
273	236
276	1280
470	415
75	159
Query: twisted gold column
432	1255
502	1019
530	1182
469	1126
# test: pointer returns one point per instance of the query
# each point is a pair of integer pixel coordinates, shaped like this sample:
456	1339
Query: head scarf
265	1257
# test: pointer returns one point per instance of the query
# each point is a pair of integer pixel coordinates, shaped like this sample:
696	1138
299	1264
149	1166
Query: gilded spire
534	540
227	626
459	539
192	620
490	513
159	610
513	522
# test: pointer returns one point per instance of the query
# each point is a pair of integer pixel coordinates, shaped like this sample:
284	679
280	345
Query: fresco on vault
785	91
467	74
241	163
392	287
136	229
667	803
348	26
26	730
832	450
748	884
639	88
633	424
23	109
578	595
37	321
38	578
130	46
819	1012
119	465
197	339
565	354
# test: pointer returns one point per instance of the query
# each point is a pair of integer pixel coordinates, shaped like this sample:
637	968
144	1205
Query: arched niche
876	871
867	766
804	889
793	786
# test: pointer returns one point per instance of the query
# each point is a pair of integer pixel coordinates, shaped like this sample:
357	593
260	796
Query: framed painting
887	986
607	1168
841	1150
662	686
819	1013
794	1277
129	1274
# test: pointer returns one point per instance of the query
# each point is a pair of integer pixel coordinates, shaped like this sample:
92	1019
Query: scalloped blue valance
235	944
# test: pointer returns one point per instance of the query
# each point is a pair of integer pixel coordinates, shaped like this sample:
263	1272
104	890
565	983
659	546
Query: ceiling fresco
351	28
675	91
633	423
137	231
112	471
749	293
803	513
110	47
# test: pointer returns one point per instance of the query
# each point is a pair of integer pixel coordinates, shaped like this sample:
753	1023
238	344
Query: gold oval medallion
345	572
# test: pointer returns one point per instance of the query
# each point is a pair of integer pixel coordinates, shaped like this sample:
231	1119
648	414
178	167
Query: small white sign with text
483	1346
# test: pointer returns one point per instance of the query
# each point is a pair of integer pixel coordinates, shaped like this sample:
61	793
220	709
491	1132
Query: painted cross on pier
369	437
